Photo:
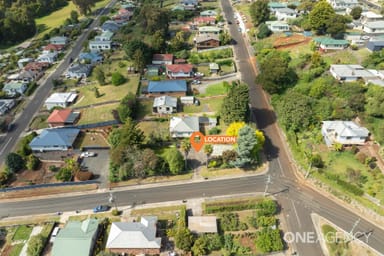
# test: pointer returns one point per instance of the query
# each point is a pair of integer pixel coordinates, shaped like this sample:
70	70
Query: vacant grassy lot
91	139
206	105
145	108
164	213
39	122
97	114
158	128
215	89
107	92
22	233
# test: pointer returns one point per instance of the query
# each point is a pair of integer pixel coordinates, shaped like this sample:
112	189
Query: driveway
99	165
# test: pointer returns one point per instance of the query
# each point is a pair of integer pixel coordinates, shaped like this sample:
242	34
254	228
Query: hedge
345	185
231	206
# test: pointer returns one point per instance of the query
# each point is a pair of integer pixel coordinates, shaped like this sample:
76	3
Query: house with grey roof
189	4
110	25
208	13
104	36
374	27
76	238
58	99
79	71
60	40
183	127
167	87
90	57
339	5
6	105
49	57
134	238
97	45
209	30
277	26
350	73
59	139
15	87
370	17
344	132
165	105
285	14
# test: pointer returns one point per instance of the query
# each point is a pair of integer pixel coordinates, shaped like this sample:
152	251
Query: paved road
8	141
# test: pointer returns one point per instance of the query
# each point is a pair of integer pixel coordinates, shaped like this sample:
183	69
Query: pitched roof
205	37
80	69
76	238
162	57
180	68
61	97
330	41
165	101
204	19
53	47
184	124
208	13
134	234
346	128
209	29
58	137
92	56
167	86
375	24
59	115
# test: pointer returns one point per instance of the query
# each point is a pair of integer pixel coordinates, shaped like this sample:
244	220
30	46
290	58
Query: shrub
115	212
361	157
36	245
214	130
14	162
229	221
269	240
266	221
117	79
317	161
354	149
266	208
53	168
65	174
33	162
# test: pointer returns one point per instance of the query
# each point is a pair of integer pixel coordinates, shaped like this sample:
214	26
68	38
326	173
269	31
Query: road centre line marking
281	168
6	144
297	216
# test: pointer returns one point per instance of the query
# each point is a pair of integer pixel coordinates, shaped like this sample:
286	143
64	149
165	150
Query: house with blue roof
176	88
110	25
60	139
90	57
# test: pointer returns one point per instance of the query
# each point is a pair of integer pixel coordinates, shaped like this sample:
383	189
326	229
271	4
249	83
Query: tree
117	79
375	101
175	160
99	74
184	239
36	245
259	12
138	60
295	111
233	128
14	162
158	42
127	107
200	246
320	14
4	176
97	93
225	38
127	135
185	147
336	26
264	31
84	6
208	149
74	17
266	207
275	73
235	105
133	45
269	240
153	18
178	41
356	12
245	143
33	162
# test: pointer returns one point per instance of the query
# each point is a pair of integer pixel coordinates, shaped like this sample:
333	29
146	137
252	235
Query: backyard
97	114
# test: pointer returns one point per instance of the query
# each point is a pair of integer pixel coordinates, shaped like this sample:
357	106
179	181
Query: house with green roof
327	43
77	238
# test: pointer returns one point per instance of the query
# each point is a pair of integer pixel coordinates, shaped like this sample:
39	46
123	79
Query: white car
87	154
196	82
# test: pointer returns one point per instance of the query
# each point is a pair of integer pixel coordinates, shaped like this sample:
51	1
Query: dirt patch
248	240
41	176
290	41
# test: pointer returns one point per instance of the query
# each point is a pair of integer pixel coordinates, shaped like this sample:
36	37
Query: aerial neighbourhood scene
191	127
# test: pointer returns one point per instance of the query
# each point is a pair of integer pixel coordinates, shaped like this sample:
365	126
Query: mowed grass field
97	114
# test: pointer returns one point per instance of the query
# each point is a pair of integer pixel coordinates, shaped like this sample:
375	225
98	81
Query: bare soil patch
287	42
41	176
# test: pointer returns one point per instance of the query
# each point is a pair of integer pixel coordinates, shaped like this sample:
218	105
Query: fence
95	125
49	185
97	104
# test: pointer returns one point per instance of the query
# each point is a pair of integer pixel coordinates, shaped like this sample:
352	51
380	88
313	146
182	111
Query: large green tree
175	160
319	16
235	105
375	101
336	26
127	107
14	162
356	12
246	142
259	12
84	6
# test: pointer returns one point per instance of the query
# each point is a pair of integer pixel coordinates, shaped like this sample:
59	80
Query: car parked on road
101	208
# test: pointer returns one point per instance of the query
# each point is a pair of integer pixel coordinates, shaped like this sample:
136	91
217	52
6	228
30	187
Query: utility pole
112	200
267	182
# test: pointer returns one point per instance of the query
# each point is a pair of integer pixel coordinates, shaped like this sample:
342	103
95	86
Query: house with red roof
177	71
62	117
162	59
36	66
53	48
204	21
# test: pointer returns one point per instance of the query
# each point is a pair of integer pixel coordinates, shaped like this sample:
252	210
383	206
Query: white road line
6	144
281	168
297	216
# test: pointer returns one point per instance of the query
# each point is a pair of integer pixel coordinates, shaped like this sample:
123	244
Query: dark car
101	208
229	22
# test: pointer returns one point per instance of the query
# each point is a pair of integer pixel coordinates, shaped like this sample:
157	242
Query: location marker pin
197	141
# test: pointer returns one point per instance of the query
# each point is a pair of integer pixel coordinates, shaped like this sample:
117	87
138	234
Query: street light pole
112	199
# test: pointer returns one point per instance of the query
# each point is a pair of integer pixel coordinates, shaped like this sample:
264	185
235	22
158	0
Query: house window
348	137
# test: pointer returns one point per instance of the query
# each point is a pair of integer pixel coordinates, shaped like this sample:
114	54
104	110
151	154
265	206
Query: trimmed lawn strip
163	213
235	204
207	173
16	249
22	233
39	122
30	221
97	114
99	216
155	127
153	179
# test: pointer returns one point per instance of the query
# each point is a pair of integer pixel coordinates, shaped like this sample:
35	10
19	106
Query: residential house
58	99
58	139
208	13
339	5
53	48
104	36
79	71
374	46
214	68
162	59
183	127
62	117
130	6
355	38
90	57
168	87
25	76
202	224
207	123
153	70
209	30
285	14
6	105
24	61
110	25
274	6
344	132
165	105
176	71
328	43
76	238
189	4
48	57
204	21
374	27
206	41
123	16
278	26
62	40
370	17
96	45
134	238
14	87
350	73
36	66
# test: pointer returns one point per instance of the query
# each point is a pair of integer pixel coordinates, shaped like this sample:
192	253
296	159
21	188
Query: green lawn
97	114
347	56
22	233
16	249
107	92
39	122
163	213
206	105
145	108
214	90
159	128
